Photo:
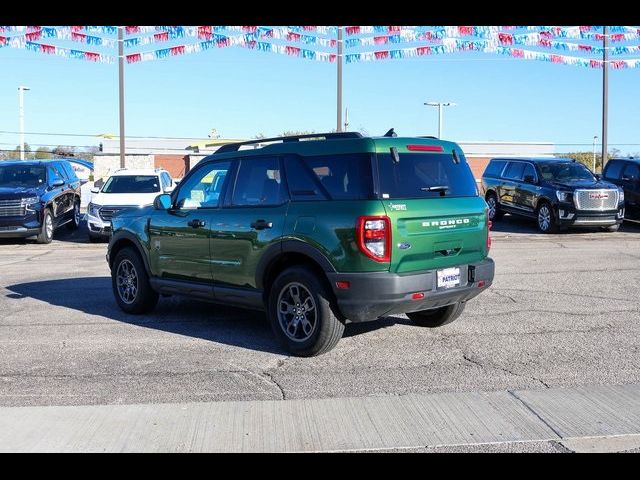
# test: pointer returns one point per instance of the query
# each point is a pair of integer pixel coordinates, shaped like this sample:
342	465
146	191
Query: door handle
261	224
195	223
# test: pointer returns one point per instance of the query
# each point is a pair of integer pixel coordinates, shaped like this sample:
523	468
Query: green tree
586	158
42	153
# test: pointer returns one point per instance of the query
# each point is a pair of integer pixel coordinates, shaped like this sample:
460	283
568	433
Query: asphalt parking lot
563	311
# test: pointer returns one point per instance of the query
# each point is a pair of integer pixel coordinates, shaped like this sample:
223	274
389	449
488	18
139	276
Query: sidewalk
570	416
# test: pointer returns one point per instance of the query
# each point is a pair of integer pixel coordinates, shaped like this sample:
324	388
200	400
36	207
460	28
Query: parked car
557	192
126	188
37	197
317	230
625	172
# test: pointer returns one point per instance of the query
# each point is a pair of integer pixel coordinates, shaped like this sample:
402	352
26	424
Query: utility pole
21	90
121	91
339	60
605	93
440	105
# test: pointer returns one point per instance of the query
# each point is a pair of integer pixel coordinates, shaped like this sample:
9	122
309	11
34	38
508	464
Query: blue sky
243	92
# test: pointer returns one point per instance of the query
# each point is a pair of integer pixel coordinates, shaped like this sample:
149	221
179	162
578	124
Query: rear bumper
374	295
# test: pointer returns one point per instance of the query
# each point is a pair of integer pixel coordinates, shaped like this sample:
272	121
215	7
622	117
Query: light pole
595	137
21	90
440	105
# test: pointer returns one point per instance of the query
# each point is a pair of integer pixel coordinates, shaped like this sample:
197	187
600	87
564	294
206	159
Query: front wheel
437	317
546	219
46	230
130	283
301	315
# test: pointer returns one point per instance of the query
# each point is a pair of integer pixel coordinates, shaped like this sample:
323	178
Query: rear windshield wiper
435	188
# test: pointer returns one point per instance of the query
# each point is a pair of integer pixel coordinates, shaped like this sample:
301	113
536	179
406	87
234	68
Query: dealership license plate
448	277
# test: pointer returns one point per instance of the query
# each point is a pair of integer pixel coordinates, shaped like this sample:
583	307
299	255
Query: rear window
424	175
494	169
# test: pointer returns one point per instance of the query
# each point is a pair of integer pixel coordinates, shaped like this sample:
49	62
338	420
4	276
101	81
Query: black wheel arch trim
124	235
289	246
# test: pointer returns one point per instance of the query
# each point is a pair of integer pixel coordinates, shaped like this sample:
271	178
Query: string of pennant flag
319	43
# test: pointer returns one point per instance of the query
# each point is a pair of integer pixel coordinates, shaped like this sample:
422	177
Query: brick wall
104	165
176	165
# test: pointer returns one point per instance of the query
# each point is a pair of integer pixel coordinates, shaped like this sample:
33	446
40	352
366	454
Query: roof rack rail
234	147
429	136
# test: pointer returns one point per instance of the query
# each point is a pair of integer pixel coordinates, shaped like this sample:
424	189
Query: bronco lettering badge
441	224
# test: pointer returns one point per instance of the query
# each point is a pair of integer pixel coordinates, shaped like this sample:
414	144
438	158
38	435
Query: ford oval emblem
404	246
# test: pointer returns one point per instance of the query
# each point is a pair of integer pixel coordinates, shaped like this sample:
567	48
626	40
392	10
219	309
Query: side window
203	188
53	175
514	171
301	181
166	180
632	172
68	169
613	170
345	177
61	171
529	171
258	183
495	167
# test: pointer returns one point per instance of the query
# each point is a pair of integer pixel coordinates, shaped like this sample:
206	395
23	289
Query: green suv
317	230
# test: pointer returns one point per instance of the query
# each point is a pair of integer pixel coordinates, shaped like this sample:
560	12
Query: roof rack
429	136
234	147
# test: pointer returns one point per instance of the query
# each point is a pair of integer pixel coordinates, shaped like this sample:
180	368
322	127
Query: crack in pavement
559	312
498	367
497	292
584	295
526	405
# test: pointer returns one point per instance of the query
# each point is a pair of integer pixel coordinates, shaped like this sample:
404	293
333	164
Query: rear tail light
374	237
488	223
425	148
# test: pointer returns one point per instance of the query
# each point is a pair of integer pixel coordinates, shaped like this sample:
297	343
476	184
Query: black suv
36	197
625	172
557	192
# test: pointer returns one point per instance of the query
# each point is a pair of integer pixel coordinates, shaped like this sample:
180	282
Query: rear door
438	220
527	190
512	178
251	220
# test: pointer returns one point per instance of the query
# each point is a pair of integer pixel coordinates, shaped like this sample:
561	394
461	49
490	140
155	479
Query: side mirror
529	179
95	189
162	202
58	182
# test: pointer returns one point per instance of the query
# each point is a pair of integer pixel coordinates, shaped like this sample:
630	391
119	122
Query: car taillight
374	237
488	223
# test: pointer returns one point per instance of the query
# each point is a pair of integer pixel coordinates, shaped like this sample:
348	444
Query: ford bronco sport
315	229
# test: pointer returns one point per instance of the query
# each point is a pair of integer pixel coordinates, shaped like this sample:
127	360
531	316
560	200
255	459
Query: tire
314	308
611	228
494	209
546	219
438	316
46	230
130	283
75	221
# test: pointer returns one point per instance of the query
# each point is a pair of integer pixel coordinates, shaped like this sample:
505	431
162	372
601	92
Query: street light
595	137
440	105
21	90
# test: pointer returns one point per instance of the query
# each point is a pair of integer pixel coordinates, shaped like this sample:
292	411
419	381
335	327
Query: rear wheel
546	219
46	230
300	313
437	317
494	210
75	221
130	283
